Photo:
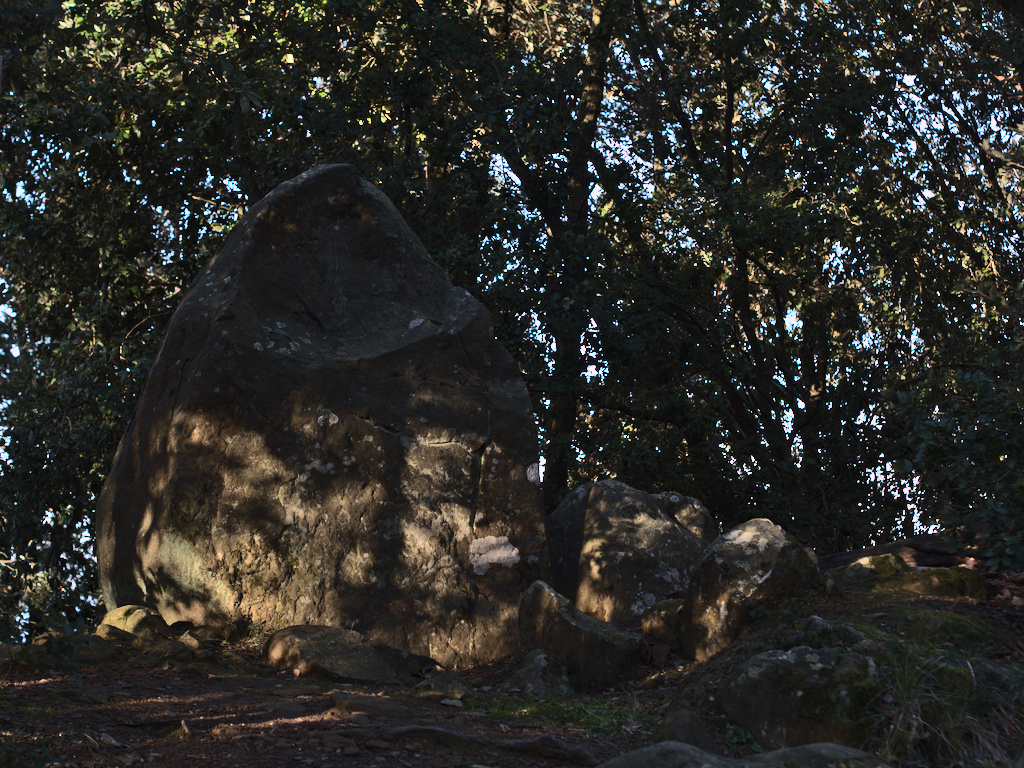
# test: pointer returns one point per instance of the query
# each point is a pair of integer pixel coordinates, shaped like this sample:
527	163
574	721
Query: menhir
331	435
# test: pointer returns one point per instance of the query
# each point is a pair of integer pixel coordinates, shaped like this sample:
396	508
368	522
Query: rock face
616	550
595	653
329	435
755	564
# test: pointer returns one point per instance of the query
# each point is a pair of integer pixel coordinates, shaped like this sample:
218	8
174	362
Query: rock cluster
810	690
332	445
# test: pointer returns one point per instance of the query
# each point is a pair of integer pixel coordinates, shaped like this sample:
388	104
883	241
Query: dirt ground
230	708
237	711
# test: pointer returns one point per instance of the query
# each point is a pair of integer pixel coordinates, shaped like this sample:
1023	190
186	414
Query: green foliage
593	714
717	238
961	439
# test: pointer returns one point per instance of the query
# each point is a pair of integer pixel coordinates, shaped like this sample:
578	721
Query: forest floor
232	709
238	711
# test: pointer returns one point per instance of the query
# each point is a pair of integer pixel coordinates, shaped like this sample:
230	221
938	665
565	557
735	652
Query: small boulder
409	667
756	564
340	654
871	569
617	550
541	675
955	582
113	634
443	686
802	696
167	649
596	654
374	707
686	726
140	621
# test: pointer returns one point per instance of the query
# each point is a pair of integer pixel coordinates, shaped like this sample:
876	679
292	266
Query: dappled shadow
270	476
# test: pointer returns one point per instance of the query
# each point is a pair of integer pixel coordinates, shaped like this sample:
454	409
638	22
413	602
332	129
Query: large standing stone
330	434
617	550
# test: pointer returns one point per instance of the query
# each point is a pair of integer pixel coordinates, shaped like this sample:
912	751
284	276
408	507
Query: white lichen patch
491	551
533	474
418	539
327	417
748	538
324	467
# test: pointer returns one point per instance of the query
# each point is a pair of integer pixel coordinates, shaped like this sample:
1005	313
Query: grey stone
330	434
541	674
339	654
686	726
756	564
445	685
616	550
802	696
139	621
596	654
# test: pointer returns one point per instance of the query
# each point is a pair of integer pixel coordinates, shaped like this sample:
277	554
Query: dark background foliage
767	254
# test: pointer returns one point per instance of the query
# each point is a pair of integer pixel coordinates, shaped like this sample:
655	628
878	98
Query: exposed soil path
229	708
143	710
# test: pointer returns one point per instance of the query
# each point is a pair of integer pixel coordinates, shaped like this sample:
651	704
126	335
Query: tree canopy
765	253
